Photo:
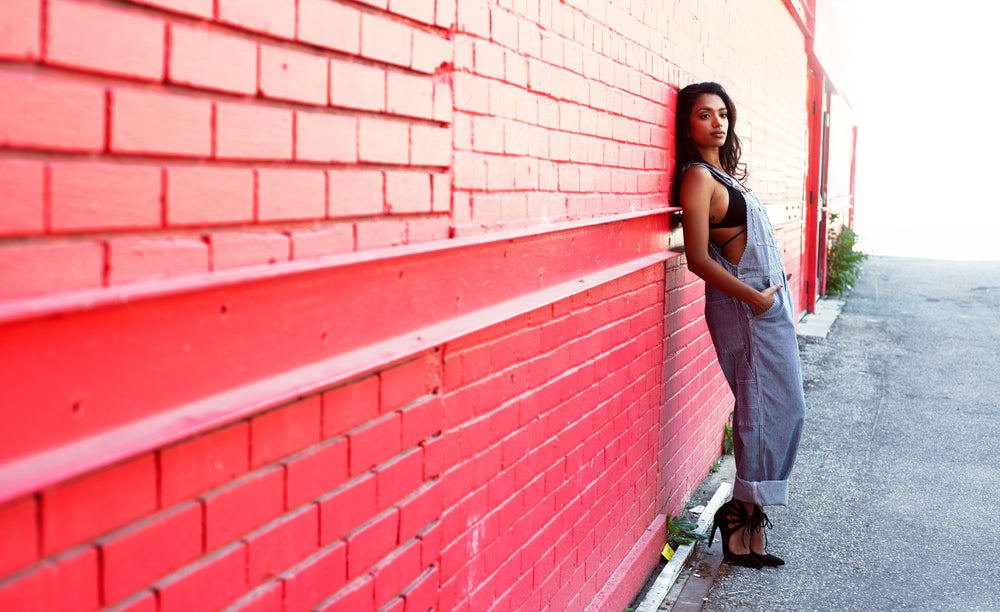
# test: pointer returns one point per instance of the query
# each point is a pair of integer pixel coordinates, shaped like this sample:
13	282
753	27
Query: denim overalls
759	356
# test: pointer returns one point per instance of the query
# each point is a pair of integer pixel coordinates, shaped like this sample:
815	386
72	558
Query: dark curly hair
686	152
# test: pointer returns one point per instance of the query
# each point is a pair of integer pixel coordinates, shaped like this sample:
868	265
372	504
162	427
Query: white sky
925	92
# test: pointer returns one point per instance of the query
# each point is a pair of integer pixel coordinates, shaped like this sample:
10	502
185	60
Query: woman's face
709	121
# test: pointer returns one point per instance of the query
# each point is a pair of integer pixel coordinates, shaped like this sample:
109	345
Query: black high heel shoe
760	522
729	518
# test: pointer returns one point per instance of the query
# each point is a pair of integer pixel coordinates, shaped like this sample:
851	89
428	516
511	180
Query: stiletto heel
760	522
729	518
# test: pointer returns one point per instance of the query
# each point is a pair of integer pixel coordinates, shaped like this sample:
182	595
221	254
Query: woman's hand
766	300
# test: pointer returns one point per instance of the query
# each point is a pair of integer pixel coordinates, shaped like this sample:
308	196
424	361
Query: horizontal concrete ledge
31	307
91	387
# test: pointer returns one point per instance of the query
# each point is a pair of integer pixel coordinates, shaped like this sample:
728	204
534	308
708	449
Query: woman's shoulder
697	172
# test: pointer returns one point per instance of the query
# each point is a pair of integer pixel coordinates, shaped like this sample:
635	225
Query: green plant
715	467
727	437
843	263
681	531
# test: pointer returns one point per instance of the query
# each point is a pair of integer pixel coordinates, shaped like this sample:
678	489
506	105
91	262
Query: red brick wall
360	305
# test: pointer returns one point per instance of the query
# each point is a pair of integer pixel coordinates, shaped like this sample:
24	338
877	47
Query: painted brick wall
520	463
160	138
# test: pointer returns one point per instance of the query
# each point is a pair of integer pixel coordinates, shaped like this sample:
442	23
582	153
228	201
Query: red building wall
376	305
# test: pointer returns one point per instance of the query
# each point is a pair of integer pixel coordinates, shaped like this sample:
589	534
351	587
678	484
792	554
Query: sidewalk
895	498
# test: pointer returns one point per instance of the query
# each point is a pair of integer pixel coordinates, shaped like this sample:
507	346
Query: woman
730	244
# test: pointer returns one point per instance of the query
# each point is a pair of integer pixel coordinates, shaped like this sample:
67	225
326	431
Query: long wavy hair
687	153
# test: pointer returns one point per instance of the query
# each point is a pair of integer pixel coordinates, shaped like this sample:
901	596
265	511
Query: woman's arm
697	189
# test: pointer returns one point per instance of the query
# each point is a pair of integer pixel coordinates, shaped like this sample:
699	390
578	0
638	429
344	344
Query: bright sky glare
924	92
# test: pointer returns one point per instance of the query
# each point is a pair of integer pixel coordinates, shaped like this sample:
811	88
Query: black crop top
736	215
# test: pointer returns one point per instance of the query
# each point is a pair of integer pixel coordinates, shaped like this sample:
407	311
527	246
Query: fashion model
730	244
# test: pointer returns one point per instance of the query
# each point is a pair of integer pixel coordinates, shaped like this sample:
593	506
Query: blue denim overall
759	356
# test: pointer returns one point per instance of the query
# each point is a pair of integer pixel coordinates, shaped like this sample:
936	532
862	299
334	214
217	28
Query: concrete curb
668	575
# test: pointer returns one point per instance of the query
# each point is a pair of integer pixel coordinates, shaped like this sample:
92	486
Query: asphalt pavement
895	498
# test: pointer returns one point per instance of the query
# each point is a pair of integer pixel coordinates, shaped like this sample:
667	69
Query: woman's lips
719	134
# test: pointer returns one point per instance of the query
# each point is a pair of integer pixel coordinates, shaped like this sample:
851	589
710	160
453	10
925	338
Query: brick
150	550
346	508
266	598
39	112
356	193
209	585
409	95
350	405
20	31
419	510
142	602
275	17
325	241
385	40
137	259
444	15
407	192
279	545
22	191
196	465
315	578
421	421
470	93
92	505
441	192
382	233
290	194
326	138
105	196
428	228
359	86
430	52
488	59
430	545
206	196
398	478
104	39
331	25
418	10
243	506
383	141
286	74
443	103
235	249
423	593
284	431
212	60
430	146
311	474
67	582
374	443
468	171
359	595
19	545
253	132
154	123
473	17
371	542
47	268
396	573
197	8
